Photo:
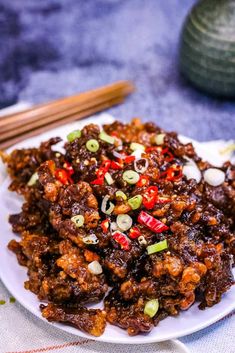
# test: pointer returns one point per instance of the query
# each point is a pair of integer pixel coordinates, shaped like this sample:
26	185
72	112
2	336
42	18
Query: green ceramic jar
207	52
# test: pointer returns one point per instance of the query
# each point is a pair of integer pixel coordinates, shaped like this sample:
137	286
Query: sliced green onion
32	181
124	222
113	226
131	177
151	307
2	302
121	194
136	146
91	239
92	145
108	178
141	168
135	202
78	220
142	240
107	138
162	245
76	134
12	300
95	268
159	139
104	205
137	153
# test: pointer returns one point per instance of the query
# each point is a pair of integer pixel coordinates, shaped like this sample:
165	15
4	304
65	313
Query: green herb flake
2	302
12	300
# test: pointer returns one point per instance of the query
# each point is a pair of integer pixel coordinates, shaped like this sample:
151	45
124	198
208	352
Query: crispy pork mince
130	208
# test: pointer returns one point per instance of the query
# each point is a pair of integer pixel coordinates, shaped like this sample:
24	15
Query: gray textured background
52	48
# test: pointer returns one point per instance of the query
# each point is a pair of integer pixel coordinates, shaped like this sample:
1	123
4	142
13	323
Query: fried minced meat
22	163
91	321
126	314
71	264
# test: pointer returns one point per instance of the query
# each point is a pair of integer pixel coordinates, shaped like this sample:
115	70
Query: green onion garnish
78	220
2	302
134	146
105	137
142	240
108	178
121	194
135	202
159	139
32	181
151	307
131	177
12	300
124	222
92	145
76	134
104	205
162	245
91	239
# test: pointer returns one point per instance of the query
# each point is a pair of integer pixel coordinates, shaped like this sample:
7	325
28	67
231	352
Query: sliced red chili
152	223
106	164
116	165
100	173
98	181
143	181
62	176
174	173
122	240
150	197
134	233
168	156
105	225
69	168
129	159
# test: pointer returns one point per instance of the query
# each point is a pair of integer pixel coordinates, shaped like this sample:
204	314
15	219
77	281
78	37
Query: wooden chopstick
23	125
60	106
82	114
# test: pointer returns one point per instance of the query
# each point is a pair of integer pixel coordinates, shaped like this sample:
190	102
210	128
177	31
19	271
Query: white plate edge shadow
112	334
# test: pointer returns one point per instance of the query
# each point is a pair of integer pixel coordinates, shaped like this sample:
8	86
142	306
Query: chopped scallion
108	178
32	181
136	146
78	220
124	222
161	245
121	194
159	139
76	134
151	307
135	202
131	177
107	138
92	145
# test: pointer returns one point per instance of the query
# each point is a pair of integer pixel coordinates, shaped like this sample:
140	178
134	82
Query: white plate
13	275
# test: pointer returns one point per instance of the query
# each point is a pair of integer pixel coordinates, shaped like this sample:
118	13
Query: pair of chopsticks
17	127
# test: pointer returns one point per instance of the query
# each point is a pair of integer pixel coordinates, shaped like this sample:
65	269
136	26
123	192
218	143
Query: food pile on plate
127	215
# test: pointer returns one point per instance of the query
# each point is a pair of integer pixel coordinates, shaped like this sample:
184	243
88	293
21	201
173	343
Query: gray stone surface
52	48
